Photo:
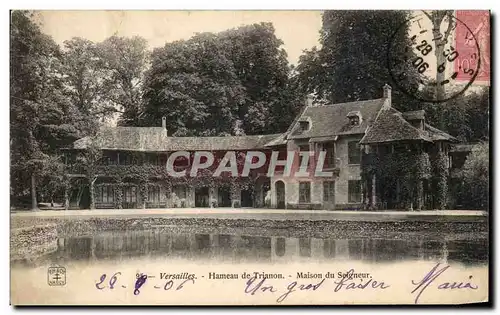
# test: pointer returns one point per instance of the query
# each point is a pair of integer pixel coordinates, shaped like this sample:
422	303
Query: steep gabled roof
391	126
155	139
332	120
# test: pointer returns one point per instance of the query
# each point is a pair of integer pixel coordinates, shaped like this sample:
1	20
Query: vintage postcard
249	157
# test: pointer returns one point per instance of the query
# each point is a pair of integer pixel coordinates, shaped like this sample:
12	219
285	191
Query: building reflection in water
241	248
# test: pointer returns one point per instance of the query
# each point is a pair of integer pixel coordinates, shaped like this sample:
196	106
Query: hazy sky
299	30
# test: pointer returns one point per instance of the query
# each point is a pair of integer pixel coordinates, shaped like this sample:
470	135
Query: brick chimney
164	123
388	93
310	100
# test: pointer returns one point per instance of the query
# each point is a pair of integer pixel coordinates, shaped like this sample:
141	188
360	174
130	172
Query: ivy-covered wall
399	177
145	176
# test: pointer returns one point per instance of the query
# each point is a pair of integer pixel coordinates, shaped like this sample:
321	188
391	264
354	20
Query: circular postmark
427	61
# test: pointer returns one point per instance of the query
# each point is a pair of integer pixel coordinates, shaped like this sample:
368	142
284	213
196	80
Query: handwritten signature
432	275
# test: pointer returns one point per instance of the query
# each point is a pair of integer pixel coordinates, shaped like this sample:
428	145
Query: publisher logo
56	276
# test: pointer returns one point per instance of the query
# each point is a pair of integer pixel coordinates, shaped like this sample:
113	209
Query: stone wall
33	241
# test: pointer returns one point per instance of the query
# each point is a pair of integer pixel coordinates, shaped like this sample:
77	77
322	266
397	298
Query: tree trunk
92	194
66	198
440	59
420	194
34	203
143	194
374	191
364	192
440	40
79	196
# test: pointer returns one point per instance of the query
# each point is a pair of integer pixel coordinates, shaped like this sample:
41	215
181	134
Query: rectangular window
305	192
329	191
111	194
131	194
180	191
98	194
303	148
126	159
354	191
329	148
154	194
105	194
354	153
104	190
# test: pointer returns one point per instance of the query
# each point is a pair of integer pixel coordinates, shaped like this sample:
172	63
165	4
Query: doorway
201	197
246	198
224	197
280	194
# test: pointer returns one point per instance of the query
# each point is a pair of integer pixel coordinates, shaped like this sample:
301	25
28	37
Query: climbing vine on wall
409	166
441	176
118	192
147	175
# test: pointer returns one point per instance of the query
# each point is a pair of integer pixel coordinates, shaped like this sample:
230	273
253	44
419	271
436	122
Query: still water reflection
123	245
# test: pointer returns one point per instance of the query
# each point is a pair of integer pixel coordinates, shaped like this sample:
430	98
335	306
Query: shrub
476	177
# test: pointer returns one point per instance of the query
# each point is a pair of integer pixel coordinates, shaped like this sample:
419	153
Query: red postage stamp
472	39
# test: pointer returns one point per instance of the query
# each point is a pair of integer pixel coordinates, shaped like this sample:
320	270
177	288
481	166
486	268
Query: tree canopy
42	119
233	82
352	62
476	176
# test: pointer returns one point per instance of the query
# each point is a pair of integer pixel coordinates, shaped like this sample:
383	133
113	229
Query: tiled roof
465	147
279	140
330	120
390	126
416	114
155	139
379	123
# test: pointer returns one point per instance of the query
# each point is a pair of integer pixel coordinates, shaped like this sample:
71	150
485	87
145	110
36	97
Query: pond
102	258
241	248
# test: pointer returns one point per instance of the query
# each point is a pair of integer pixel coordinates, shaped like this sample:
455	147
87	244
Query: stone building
131	168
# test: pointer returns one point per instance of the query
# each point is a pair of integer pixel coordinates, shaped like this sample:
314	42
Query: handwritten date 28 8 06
141	279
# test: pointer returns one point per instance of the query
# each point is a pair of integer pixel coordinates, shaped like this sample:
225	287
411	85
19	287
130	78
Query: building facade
124	167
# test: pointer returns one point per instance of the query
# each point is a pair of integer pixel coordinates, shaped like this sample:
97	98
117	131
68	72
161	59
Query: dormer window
354	118
304	125
416	118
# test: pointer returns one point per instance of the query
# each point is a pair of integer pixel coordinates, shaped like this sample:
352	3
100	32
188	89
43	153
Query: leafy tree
261	67
194	85
219	84
465	117
476	176
352	61
87	81
41	117
125	60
